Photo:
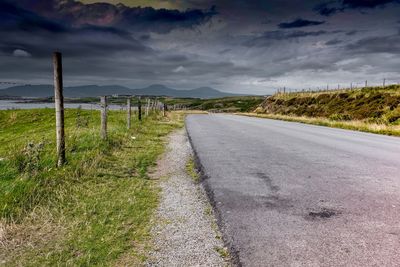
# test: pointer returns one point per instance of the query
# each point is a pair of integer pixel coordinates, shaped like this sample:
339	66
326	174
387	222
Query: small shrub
81	121
392	116
28	159
339	117
259	110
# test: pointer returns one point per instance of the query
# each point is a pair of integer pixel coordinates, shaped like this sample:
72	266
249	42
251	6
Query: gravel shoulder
185	232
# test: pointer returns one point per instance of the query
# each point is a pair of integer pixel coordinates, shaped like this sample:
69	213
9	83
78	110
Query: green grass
349	125
371	109
192	171
225	104
373	104
94	211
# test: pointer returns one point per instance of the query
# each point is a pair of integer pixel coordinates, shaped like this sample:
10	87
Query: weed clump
28	159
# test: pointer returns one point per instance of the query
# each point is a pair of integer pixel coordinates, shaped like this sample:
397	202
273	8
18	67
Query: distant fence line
331	87
150	105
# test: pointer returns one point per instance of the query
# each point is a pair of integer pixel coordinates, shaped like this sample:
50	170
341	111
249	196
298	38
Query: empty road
290	194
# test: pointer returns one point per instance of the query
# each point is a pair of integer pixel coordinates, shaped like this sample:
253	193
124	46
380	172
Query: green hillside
374	104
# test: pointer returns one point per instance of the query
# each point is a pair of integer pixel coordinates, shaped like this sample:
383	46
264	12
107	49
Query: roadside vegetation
96	209
192	170
371	109
225	104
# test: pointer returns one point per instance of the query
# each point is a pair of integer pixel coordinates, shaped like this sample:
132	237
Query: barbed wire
14	83
339	86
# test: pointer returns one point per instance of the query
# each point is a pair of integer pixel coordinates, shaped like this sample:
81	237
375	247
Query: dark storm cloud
196	46
332	7
350	33
267	38
380	44
299	23
163	20
366	3
14	18
325	9
120	16
85	30
39	36
334	42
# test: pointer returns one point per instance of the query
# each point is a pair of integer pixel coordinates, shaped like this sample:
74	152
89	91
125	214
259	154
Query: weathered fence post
129	112
103	132
59	105
139	109
164	109
148	106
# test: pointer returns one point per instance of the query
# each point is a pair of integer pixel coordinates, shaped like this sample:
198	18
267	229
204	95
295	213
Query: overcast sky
238	46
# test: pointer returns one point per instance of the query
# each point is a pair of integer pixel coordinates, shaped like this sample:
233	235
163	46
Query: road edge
233	252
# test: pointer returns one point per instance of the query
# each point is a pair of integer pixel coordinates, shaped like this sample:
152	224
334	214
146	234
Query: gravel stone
185	232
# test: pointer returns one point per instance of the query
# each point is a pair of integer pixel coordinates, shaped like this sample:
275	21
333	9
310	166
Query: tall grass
370	109
357	125
93	211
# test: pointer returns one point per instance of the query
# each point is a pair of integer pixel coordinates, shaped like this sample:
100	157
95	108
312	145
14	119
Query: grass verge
192	171
94	211
357	125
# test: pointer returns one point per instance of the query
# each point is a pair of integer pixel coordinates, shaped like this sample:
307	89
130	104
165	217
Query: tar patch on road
268	181
322	214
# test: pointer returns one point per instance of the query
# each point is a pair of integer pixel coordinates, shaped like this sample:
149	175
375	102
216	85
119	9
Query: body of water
13	104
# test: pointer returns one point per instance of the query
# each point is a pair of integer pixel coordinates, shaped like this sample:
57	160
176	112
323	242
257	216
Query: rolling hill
95	90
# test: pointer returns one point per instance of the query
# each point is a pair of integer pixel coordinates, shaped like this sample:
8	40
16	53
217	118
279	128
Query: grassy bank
372	109
95	210
225	104
350	125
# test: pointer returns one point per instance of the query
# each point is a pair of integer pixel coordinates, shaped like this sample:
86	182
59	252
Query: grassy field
225	104
96	210
372	109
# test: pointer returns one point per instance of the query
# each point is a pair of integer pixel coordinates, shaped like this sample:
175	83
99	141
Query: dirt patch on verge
185	230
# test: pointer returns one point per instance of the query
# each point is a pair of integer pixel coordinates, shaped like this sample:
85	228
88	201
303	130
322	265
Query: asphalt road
290	194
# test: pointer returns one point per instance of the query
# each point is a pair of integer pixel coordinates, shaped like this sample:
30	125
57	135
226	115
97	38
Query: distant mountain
95	90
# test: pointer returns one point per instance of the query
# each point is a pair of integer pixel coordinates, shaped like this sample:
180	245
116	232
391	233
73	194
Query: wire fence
385	83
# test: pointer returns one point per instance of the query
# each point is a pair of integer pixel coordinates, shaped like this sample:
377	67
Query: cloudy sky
244	46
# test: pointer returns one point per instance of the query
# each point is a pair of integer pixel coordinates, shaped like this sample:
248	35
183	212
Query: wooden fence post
59	105
139	109
147	106
164	109
103	132
129	112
